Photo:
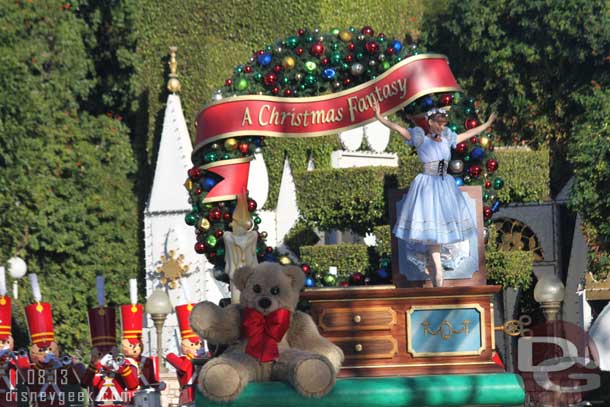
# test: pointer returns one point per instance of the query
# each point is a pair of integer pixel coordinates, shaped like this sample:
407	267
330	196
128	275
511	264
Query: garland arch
337	72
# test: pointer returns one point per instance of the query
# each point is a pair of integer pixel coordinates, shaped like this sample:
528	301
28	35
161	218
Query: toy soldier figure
108	376
131	343
191	348
10	362
51	376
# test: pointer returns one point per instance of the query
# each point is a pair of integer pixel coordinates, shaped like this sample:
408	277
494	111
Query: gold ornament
173	85
172	269
188	184
288	63
230	144
204	224
345	36
484	141
285	260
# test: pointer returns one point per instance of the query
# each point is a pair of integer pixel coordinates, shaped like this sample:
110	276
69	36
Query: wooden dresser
387	331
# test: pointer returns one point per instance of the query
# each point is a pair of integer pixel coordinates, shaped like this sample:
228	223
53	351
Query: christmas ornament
329	280
299	51
244	148
459	181
343	284
357	69
200	247
310	66
210	157
230	144
270	79
461	147
317	49
487	184
491	165
486	235
190	219
473	140
487	212
498	183
356	278
264	59
329	73
345	36
309	282
292	42
467	179
367	30
251	205
208	183
371	47
278	69
456	166
475	171
203	224
484	141
445	100
477	153
471	124
194	173
284	260
383	274
396	46
218	233
288	63
305	267
495	206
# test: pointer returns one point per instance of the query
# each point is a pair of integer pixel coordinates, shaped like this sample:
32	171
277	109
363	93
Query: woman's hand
376	109
491	119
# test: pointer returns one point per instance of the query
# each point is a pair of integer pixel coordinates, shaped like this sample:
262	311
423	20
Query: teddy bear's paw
314	377
221	382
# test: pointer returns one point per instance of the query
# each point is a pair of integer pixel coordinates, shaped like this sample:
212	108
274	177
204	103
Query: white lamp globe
17	267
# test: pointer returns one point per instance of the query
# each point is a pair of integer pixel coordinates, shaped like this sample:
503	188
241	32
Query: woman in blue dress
434	211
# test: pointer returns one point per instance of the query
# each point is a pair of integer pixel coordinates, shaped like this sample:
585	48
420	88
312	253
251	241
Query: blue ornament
477	153
397	45
270	257
208	183
495	206
258	141
329	73
383	274
427	103
309	282
459	181
264	59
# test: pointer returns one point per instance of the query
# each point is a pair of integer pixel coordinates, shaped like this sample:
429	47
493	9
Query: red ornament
351	46
251	205
300	31
446	100
471	124
367	30
198	191
475	171
487	212
461	148
248	69
215	214
305	267
490	147
299	51
277	68
194	173
349	58
275	91
200	247
491	165
212	255
389	51
218	233
226	216
244	147
487	183
473	140
347	81
270	79
269	249
356	278
228	82
260	52
324	61
288	92
371	47
317	49
343	284
381	35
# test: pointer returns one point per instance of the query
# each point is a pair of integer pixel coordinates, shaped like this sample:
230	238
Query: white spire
2	281
186	292
133	291
101	294
35	287
174	160
258	180
287	210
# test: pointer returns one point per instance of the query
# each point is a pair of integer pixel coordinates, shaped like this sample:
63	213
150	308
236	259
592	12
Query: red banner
329	114
234	178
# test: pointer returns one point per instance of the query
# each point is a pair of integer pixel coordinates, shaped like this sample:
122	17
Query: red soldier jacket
147	368
110	386
10	378
186	376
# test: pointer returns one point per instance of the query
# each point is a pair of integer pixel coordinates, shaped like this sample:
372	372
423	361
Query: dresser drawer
369	347
360	319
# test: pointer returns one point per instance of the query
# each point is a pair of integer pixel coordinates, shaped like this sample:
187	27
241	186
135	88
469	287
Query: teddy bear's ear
241	276
296	275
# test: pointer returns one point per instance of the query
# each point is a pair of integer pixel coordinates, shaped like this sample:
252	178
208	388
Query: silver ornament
372	63
456	166
337	85
381	57
298	76
217	95
486	235
278	49
357	69
360	37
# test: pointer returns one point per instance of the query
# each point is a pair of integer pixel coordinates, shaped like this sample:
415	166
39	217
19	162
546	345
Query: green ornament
210	157
211	240
302	87
335	46
335	31
329	280
485	196
226	156
468	110
258	76
381	39
359	55
257	220
352	29
285	80
238	69
385	65
467	157
310	79
398	59
268	48
471	101
453	127
498	183
310	66
190	219
457	97
335	58
292	42
242	84
220	251
384	263
309	38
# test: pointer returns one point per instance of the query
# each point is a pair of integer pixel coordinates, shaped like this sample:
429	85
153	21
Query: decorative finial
173	85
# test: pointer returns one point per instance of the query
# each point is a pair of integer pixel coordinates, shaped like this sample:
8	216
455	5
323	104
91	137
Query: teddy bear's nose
264	302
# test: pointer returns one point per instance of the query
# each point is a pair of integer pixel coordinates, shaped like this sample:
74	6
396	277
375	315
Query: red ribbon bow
264	332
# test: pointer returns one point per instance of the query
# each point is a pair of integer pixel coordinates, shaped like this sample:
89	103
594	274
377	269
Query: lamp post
158	306
549	292
17	269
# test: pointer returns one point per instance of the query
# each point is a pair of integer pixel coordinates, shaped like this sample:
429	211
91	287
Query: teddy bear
268	338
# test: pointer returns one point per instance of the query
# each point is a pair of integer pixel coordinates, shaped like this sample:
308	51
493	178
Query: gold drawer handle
358	347
357	319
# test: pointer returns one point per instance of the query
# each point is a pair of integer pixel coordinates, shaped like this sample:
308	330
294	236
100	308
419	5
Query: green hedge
526	174
383	236
351	198
300	235
348	258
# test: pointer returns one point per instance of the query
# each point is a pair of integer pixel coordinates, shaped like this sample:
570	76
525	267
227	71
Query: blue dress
434	210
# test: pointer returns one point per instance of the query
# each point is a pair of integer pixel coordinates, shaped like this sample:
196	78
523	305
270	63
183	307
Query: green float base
504	389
